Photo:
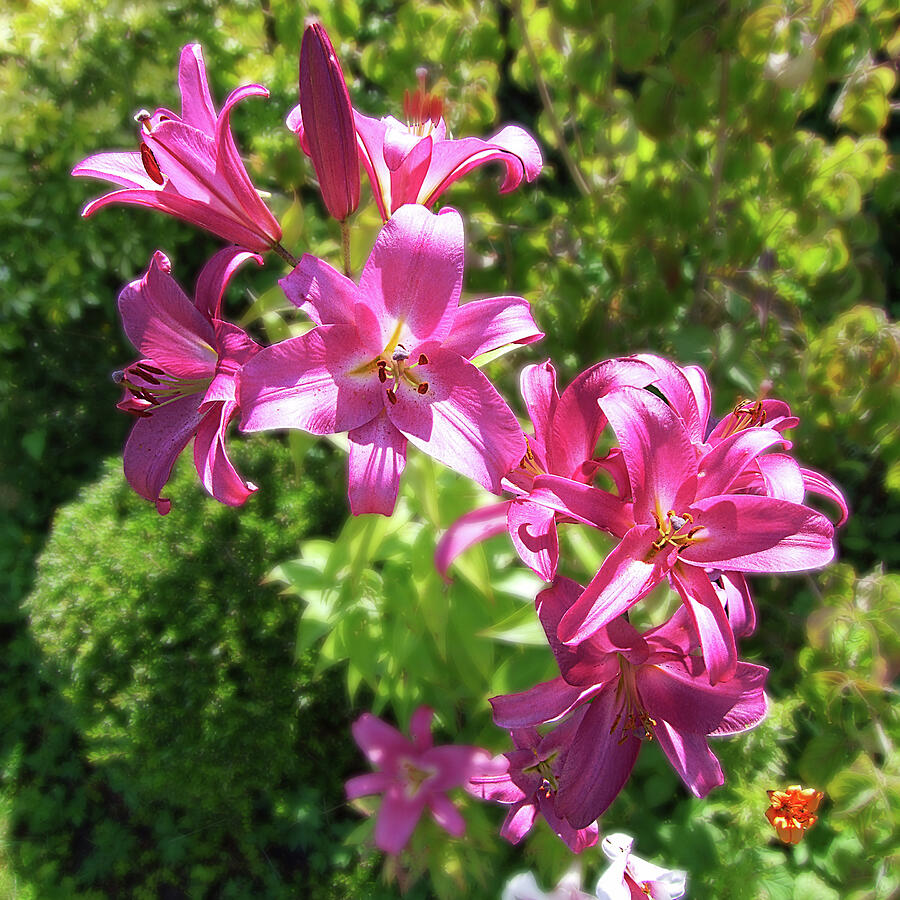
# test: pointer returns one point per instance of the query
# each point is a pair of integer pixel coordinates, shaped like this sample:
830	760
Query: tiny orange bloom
791	811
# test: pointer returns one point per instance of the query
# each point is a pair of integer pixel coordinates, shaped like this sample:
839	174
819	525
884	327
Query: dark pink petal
370	137
446	815
576	839
493	782
420	728
368	784
629	573
408	173
214	278
230	168
461	420
781	478
578	421
691	758
659	455
696	378
382	744
682	393
746	533
512	146
598	763
817	483
484	325
328	122
519	821
538	386
197	107
413	276
728	459
376	462
197	212
213	465
323	293
155	443
397	818
165	326
709	620
751	707
313	382
583	503
533	532
470	529
545	702
679	692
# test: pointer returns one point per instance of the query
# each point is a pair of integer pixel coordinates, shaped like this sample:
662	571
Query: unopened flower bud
328	123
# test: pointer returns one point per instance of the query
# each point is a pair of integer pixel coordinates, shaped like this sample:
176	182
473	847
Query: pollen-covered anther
423	359
746	414
392	395
151	166
671	532
422	388
382	375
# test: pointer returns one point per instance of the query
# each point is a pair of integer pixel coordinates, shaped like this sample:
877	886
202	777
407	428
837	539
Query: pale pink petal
547	701
746	533
214	278
311	382
519	821
691	758
629	573
538	386
397	818
512	146
413	277
460	420
578	421
382	744
696	378
659	455
583	503
197	107
323	293
165	326
681	393
446	815
598	763
484	325
368	784
533	532
370	136
493	782
709	620
817	483
376	462
122	167
470	529
213	465
155	443
727	459
781	478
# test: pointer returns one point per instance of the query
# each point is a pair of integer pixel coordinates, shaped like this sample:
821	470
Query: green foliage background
720	186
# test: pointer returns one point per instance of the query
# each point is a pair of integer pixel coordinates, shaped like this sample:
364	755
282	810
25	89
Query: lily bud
328	123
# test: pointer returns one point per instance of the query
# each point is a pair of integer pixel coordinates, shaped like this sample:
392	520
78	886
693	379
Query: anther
423	359
141	116
423	388
382	375
118	376
392	396
151	166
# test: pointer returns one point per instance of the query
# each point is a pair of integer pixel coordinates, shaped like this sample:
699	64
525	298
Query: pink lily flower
565	433
188	166
526	779
330	133
416	162
636	688
185	384
631	878
389	362
413	775
691	522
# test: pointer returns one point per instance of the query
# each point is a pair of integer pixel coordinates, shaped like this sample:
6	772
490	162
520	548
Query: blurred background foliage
720	186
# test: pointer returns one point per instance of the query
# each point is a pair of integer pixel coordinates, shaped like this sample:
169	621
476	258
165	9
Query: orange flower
792	810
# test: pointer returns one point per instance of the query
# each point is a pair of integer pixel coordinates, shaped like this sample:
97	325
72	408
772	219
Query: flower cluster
390	359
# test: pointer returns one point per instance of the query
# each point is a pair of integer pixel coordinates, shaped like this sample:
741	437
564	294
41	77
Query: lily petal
547	701
533	532
376	462
484	325
691	758
215	469
323	293
397	818
470	529
214	278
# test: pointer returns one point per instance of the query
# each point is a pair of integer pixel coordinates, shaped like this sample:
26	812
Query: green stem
287	257
345	245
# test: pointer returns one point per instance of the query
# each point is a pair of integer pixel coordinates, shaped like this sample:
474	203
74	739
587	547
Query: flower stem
285	255
345	245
